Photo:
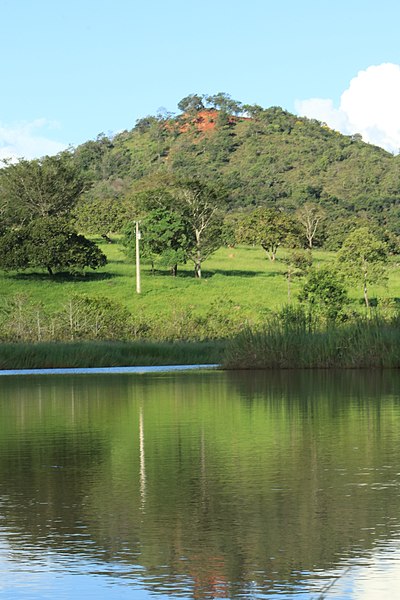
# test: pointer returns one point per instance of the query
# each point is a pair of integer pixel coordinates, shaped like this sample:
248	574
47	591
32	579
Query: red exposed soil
205	120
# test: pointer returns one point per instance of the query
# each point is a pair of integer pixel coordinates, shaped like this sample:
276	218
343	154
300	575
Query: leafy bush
324	293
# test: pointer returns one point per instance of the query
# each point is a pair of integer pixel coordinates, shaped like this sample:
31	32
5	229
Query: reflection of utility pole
203	478
142	461
138	235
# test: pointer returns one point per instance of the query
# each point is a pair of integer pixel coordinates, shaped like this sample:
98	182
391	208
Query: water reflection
201	485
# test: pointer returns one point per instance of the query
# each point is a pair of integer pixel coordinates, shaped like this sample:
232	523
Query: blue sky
70	70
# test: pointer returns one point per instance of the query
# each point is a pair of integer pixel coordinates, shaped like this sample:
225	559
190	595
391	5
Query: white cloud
369	106
27	140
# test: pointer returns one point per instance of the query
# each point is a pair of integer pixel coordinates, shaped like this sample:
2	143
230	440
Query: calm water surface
200	485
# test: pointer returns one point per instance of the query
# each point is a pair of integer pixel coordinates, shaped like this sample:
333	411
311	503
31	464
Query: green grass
243	276
107	354
240	281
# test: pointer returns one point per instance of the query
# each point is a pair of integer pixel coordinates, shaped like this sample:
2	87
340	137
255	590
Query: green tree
224	103
50	243
253	111
362	258
268	228
164	238
39	188
338	229
101	159
200	207
103	210
191	104
297	264
324	293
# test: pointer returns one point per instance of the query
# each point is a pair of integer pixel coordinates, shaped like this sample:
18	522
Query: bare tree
310	216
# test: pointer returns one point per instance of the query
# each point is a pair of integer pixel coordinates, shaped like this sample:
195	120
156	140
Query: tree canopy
182	219
324	293
268	228
49	243
164	238
49	186
362	258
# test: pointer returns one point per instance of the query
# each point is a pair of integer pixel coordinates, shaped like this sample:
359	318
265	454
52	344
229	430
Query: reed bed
300	343
108	354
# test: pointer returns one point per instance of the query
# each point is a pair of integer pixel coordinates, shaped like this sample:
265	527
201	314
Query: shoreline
138	370
55	357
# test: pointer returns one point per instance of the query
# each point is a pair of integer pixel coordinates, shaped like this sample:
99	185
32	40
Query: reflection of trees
334	387
49	451
212	482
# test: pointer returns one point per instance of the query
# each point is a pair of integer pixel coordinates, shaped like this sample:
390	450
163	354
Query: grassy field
237	281
240	278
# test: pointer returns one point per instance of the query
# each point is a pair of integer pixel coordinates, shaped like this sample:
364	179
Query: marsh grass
107	354
295	343
300	343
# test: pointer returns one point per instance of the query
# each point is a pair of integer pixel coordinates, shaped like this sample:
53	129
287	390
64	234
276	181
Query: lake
200	485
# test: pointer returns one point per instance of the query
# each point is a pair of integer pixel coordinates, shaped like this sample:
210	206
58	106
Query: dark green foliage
104	209
228	230
49	243
339	229
15	250
300	260
101	159
196	219
324	294
201	208
259	156
157	194
191	104
224	103
164	238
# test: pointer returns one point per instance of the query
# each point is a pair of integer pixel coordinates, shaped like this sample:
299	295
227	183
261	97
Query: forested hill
246	156
259	156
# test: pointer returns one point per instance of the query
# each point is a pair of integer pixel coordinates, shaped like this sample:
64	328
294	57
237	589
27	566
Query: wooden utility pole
138	289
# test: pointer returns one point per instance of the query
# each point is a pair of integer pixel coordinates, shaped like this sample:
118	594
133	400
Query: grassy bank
50	318
107	354
364	343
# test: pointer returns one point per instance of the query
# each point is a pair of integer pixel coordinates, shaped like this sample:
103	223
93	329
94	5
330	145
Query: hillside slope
273	157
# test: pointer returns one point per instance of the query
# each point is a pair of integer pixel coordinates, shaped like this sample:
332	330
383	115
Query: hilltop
260	156
250	156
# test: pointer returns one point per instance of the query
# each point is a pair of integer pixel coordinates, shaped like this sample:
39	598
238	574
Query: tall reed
107	354
298	342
